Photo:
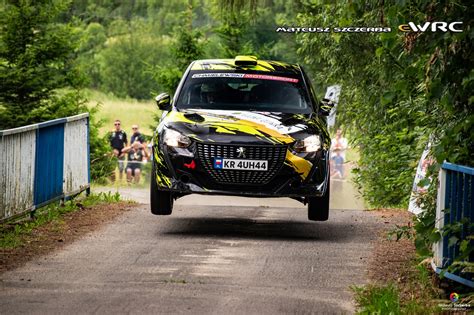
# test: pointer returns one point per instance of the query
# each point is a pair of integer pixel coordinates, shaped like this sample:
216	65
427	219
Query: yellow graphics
228	124
301	166
161	179
230	64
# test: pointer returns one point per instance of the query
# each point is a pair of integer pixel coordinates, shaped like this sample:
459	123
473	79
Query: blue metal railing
456	210
43	162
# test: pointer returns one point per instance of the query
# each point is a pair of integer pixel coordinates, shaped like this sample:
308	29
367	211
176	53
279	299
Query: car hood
232	126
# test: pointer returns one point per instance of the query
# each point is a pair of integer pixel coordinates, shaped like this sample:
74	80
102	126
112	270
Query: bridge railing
42	163
455	206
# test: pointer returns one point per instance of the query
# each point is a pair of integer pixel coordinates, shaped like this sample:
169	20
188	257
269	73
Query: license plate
245	165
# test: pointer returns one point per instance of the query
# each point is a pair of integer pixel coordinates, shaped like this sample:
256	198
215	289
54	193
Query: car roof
253	65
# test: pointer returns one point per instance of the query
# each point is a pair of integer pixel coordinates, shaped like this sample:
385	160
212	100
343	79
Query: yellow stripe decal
223	125
301	166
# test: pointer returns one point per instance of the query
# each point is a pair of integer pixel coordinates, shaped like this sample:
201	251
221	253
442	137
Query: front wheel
161	202
318	207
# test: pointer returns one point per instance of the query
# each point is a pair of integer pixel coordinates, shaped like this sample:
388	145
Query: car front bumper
185	171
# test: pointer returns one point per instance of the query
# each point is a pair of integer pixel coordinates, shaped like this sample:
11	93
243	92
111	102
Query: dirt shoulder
58	233
395	262
390	257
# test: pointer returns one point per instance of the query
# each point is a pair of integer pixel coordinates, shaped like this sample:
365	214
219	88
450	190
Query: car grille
274	154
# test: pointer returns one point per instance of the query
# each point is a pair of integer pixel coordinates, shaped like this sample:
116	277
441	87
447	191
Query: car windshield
244	91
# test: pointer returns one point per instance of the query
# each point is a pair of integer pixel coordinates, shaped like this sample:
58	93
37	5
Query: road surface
218	255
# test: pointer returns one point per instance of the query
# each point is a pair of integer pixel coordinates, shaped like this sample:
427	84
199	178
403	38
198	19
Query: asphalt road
219	255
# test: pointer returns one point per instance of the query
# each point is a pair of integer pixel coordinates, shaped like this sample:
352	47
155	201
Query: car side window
312	92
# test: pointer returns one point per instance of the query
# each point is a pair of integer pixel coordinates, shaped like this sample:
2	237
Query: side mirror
325	107
163	101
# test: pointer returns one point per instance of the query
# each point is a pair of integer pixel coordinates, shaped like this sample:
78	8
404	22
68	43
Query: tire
161	202
318	207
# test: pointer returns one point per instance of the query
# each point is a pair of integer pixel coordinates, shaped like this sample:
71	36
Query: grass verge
130	111
401	282
12	235
416	295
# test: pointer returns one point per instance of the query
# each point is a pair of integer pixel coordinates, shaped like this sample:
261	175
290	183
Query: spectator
136	135
136	154
337	165
118	140
338	154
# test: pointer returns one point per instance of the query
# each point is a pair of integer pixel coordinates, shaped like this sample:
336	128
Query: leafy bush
397	88
103	163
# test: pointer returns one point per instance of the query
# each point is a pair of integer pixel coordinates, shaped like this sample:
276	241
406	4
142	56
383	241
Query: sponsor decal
259	118
217	75
244	76
270	77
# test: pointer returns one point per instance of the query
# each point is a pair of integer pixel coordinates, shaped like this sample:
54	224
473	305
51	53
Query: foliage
378	300
139	48
185	49
415	296
397	88
93	40
36	59
102	162
426	232
232	31
123	65
11	235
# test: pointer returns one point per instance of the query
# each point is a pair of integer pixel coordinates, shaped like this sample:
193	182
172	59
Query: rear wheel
161	202
318	207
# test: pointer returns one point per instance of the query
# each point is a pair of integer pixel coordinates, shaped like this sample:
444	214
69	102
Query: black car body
242	127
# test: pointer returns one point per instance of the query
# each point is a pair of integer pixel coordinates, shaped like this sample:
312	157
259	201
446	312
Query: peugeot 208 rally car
243	127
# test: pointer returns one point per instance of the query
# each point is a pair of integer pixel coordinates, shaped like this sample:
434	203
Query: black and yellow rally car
242	127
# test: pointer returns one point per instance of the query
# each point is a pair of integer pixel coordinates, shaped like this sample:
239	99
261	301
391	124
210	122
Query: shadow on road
275	230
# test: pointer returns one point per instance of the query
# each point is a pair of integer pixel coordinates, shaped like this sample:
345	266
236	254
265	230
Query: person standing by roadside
338	154
118	140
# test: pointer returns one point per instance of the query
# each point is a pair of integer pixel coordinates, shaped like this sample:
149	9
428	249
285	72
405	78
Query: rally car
243	127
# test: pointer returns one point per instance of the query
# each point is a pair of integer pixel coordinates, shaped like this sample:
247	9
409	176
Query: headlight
309	144
175	139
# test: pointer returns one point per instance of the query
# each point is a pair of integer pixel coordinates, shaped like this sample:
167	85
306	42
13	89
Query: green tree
92	42
37	57
187	46
124	64
39	75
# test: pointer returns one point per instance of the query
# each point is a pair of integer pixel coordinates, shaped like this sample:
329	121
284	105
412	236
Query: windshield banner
243	75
